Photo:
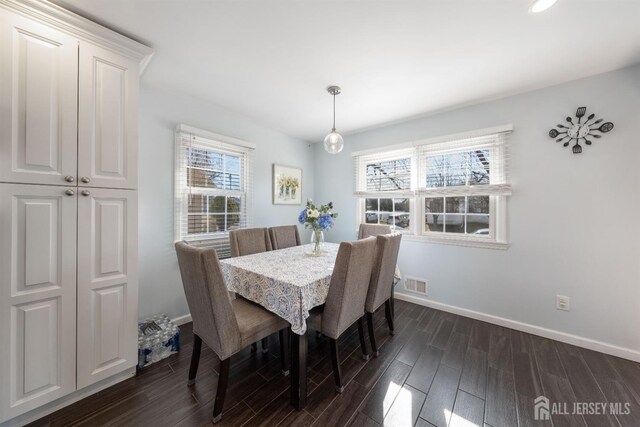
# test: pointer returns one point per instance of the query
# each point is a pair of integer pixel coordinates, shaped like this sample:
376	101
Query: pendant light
333	142
541	5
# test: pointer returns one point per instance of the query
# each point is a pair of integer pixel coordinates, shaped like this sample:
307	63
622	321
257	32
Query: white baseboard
625	353
181	320
50	408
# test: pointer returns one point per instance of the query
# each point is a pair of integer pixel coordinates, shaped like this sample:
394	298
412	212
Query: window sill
457	241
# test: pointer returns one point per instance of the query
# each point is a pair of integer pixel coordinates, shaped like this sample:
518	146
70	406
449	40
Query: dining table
288	282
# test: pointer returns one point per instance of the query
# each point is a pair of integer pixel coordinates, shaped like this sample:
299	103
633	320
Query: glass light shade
333	142
541	5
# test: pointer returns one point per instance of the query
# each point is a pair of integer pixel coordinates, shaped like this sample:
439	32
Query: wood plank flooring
439	369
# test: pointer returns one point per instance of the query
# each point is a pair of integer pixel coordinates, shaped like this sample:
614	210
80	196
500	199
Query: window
383	177
213	187
450	190
384	188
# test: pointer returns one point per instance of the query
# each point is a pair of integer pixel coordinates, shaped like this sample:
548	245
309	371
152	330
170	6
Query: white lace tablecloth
288	282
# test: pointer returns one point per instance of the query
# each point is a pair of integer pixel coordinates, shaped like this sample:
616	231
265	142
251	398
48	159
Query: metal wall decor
578	130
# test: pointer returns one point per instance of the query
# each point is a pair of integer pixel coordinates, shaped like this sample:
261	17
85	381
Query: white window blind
468	166
449	190
213	187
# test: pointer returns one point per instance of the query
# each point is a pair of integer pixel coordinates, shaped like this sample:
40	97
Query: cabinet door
38	102
37	296
107	119
107	283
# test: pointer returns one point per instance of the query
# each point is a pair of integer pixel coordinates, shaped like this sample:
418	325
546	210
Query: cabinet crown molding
81	27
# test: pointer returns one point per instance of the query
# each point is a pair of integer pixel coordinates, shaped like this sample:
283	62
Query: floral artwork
287	185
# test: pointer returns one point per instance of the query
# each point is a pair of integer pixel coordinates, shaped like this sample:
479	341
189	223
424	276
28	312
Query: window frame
498	188
363	194
225	145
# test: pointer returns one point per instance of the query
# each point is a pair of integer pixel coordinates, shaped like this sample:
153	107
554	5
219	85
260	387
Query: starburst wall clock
576	130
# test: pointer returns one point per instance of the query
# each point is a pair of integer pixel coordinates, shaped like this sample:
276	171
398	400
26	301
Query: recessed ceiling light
541	5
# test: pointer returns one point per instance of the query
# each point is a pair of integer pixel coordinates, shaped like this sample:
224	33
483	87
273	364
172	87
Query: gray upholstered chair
226	326
284	236
249	241
368	230
382	281
346	297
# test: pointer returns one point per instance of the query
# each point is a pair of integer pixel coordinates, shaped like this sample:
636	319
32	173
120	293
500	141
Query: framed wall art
287	185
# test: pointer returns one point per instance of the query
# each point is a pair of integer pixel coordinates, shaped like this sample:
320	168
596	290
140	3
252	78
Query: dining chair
346	297
248	241
284	236
382	282
367	230
226	326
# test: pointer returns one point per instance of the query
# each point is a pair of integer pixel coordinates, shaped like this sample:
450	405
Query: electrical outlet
563	303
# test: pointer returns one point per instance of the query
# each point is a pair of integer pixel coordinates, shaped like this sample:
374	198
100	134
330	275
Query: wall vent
420	286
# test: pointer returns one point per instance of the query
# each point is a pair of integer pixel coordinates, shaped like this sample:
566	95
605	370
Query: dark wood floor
438	369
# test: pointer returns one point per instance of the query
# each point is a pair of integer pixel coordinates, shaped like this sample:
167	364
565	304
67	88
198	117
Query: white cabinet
68	207
108	119
107	283
38	100
37	295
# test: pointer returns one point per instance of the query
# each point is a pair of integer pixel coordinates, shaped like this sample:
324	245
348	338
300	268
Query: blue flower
303	216
325	221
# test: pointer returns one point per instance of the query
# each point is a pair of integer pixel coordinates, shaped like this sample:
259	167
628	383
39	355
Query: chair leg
284	350
254	347
363	344
265	345
372	336
195	359
393	301
388	315
335	361
223	381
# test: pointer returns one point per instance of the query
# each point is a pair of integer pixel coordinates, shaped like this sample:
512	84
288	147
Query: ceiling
271	60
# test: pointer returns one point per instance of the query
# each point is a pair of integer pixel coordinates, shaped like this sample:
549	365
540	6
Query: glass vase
317	238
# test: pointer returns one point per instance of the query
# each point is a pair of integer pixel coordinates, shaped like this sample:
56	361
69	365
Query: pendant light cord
334	112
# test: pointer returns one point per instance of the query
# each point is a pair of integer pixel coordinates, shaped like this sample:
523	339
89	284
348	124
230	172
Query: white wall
573	218
160	285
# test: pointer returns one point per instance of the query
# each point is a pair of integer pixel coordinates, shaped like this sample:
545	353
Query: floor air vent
416	285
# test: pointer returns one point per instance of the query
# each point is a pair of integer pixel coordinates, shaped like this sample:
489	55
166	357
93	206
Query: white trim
181	320
83	28
49	408
213	136
614	350
392	194
458	240
466	190
437	139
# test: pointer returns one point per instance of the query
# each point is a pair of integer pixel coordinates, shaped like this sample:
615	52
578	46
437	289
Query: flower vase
317	238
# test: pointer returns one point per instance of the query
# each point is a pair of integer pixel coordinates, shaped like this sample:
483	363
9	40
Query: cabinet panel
108	133
38	88
37	222
37	296
38	347
107	283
